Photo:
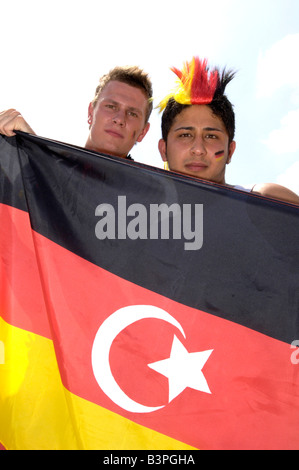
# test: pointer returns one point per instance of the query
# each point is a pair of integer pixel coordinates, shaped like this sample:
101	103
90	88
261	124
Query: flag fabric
141	309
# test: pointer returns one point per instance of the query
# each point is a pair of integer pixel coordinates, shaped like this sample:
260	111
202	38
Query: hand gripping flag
141	309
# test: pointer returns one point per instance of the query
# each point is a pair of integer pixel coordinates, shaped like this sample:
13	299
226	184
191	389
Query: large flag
142	309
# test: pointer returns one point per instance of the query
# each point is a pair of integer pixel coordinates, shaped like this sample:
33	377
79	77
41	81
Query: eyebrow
131	108
191	128
137	110
185	128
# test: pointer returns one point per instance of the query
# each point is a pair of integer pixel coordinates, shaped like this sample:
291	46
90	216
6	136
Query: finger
11	120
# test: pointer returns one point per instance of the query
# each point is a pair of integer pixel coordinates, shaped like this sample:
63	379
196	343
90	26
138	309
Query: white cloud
278	66
290	177
284	140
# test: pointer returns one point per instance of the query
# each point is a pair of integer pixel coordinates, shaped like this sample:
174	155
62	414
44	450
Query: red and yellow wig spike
196	85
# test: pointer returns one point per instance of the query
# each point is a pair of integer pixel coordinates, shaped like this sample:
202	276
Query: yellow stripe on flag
37	412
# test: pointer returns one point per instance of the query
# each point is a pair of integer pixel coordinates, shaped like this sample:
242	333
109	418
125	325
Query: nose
119	117
198	147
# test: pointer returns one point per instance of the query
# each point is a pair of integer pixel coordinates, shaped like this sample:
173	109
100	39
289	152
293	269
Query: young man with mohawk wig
198	128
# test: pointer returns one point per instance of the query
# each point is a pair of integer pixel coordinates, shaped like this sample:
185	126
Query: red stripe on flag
21	297
253	401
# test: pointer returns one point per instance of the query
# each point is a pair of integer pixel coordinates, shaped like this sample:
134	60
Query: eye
133	114
184	135
211	136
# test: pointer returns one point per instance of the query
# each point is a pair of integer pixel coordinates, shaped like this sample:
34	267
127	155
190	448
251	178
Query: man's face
198	144
117	120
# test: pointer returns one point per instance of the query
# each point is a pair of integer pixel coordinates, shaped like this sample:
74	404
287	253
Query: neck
90	146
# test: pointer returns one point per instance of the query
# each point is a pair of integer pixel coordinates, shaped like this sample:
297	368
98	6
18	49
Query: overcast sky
53	53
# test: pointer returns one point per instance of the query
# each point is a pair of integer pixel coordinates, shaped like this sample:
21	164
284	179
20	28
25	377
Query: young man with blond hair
117	116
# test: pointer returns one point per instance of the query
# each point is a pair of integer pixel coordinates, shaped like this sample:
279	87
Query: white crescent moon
104	338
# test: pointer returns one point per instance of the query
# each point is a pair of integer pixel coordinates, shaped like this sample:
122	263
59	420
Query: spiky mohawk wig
196	84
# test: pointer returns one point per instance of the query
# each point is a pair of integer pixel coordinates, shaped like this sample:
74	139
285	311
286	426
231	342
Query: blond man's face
117	120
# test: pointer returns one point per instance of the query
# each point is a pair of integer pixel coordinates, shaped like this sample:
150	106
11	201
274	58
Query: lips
114	133
196	166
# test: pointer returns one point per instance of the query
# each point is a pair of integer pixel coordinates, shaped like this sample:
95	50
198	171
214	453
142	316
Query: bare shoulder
276	191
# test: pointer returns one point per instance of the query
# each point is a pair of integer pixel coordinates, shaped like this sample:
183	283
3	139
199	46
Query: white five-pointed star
183	369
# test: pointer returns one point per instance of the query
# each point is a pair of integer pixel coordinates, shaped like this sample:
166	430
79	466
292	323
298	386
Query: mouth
196	166
114	134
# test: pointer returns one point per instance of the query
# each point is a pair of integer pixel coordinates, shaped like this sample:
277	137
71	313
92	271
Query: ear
90	113
162	149
231	149
143	133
